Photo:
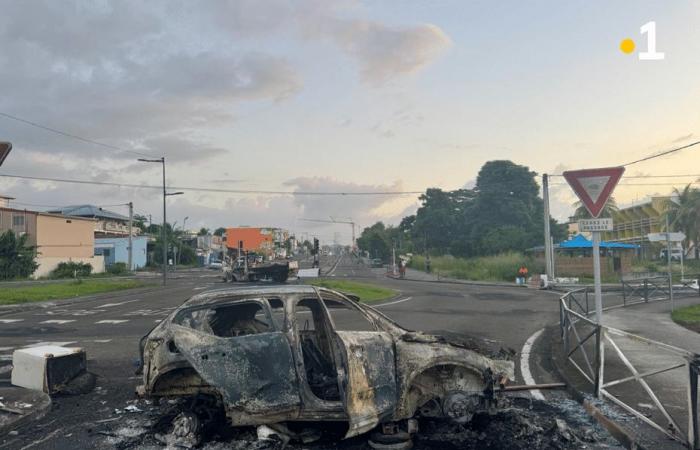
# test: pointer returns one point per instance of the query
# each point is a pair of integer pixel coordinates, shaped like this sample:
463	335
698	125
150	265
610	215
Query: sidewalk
651	321
435	277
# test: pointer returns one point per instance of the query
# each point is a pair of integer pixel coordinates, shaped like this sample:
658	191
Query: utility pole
131	248
547	233
163	232
668	259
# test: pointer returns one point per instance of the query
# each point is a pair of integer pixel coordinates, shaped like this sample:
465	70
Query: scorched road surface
109	327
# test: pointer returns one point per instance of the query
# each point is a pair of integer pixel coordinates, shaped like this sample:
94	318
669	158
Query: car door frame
196	346
368	384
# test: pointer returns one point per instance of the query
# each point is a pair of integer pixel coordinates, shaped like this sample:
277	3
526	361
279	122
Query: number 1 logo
651	54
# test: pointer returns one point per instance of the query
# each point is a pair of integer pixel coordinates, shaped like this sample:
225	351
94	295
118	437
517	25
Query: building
632	224
57	238
267	241
5	201
210	248
116	250
108	223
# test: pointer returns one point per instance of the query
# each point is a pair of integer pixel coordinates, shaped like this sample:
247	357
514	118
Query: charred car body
300	353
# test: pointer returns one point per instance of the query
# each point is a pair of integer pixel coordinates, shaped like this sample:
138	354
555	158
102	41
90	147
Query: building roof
88	211
579	241
6	197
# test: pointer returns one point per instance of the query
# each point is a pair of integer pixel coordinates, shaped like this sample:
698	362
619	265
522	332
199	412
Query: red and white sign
5	148
594	186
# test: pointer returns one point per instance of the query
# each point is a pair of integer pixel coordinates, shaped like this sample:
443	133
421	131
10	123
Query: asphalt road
109	327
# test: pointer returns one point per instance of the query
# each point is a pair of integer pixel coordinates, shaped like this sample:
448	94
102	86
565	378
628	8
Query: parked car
377	262
215	264
268	355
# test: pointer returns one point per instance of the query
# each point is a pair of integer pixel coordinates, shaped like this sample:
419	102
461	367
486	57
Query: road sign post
594	187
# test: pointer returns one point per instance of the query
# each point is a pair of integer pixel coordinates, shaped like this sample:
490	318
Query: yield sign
594	186
5	148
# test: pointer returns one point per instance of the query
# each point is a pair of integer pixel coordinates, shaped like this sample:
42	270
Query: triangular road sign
594	186
5	148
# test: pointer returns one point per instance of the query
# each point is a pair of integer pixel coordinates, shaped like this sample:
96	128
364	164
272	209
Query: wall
119	250
49	263
253	239
66	237
29	228
582	266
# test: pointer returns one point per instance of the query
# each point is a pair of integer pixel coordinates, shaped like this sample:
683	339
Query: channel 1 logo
651	54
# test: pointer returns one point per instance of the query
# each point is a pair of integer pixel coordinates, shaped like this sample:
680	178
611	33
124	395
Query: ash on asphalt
521	424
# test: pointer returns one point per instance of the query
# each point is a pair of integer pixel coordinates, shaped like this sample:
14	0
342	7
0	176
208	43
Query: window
18	223
234	320
278	314
347	317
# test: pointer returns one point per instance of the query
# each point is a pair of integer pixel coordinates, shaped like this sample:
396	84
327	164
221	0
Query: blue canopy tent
579	241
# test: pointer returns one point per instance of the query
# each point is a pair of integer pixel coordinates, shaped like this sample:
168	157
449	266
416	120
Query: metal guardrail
588	340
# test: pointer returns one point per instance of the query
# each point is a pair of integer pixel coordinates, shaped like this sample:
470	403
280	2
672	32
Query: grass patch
688	317
368	293
503	267
26	294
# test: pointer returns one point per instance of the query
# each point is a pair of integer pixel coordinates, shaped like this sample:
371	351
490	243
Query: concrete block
47	368
308	273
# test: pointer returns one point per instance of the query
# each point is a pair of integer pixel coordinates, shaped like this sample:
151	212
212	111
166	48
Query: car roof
249	291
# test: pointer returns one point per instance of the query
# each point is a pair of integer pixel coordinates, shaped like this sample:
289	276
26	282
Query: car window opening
238	320
319	364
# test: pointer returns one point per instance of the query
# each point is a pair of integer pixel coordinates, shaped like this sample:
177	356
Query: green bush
71	269
118	268
503	267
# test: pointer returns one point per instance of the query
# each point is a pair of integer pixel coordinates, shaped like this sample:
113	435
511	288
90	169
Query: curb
37	413
468	283
616	430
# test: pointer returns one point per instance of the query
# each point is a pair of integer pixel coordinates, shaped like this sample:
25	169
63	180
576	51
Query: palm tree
608	210
684	215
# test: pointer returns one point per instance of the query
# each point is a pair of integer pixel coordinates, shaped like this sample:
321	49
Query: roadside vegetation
26	294
368	293
688	317
503	267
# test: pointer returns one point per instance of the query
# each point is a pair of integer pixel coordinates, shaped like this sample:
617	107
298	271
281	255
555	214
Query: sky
342	96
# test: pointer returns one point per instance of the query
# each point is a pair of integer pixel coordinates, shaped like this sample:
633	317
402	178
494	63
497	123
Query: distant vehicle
377	262
215	264
676	254
253	268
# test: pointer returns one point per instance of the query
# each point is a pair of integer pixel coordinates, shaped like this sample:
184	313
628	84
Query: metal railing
585	345
645	289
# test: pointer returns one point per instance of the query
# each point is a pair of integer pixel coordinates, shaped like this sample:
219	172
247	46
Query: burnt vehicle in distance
270	355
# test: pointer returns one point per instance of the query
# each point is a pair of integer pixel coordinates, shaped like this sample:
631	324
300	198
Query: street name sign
5	148
594	186
605	224
673	237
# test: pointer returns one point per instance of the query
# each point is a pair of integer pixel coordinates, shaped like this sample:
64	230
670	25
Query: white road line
10	320
107	305
4	349
525	364
57	344
395	302
58	321
102	341
112	321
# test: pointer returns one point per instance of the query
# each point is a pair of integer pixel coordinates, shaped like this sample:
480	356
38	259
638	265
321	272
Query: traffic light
316	246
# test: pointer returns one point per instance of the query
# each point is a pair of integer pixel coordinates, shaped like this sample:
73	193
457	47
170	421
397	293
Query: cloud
384	52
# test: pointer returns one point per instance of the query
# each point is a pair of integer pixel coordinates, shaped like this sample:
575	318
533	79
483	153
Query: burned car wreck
275	355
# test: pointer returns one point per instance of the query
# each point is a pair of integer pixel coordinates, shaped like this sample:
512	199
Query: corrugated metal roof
88	211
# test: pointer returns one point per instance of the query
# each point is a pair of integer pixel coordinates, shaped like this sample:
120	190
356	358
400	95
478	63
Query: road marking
52	343
58	321
395	302
108	305
102	341
112	321
4	349
525	364
199	288
10	320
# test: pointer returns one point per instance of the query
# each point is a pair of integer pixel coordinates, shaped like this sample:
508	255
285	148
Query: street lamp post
163	233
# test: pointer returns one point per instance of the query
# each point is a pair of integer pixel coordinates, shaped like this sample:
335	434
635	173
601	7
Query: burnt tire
397	441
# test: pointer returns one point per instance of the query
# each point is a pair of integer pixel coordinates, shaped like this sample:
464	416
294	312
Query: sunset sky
338	96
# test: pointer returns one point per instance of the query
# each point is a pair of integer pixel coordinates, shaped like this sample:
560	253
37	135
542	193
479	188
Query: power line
657	155
72	136
205	189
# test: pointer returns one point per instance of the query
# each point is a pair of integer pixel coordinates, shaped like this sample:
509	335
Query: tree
220	231
140	222
684	215
203	231
17	259
374	240
608	210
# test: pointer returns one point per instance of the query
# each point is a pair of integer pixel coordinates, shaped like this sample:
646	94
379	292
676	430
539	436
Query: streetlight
163	234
